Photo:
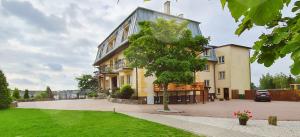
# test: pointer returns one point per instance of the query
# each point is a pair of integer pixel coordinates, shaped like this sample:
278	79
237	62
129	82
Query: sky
50	42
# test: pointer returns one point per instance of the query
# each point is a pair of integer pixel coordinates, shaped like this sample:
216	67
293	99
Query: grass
67	123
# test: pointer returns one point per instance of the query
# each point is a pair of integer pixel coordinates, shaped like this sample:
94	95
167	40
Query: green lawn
58	123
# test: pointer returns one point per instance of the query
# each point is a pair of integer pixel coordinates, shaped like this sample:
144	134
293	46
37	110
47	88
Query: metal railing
120	64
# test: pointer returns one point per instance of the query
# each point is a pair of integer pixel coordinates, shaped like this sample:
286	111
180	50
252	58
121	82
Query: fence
279	95
235	94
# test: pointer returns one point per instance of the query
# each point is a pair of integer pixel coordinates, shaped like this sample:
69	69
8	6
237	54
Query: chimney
180	15
167	7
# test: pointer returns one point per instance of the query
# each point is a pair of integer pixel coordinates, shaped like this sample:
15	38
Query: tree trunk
165	97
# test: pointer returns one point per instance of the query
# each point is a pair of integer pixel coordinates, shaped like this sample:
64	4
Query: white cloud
50	42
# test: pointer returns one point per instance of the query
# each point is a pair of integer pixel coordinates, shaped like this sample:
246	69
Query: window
111	63
128	79
125	31
206	68
222	75
219	91
121	81
205	53
206	83
111	44
221	59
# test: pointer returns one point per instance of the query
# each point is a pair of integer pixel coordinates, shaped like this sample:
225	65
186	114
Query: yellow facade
236	70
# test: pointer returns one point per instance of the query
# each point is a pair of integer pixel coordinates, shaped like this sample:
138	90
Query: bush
125	92
5	99
41	96
242	96
93	94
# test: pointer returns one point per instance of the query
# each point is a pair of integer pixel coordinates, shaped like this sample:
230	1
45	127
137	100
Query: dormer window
125	31
111	44
100	52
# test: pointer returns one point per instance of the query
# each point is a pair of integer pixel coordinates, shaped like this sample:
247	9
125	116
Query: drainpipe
215	87
136	83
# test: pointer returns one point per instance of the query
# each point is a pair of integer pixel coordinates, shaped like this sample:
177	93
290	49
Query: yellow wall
236	67
207	75
240	69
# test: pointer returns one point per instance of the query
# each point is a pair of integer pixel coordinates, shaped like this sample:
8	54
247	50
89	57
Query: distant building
70	94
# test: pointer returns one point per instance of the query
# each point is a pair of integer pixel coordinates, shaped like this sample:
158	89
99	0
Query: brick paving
224	109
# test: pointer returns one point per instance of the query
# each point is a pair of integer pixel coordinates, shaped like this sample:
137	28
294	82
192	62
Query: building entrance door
226	93
114	83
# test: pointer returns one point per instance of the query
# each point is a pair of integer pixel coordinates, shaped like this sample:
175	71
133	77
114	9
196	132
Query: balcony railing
121	64
105	69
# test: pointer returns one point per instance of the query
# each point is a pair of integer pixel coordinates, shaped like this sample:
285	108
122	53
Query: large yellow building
227	68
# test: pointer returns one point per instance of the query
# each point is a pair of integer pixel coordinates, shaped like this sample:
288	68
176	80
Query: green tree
49	93
280	81
16	94
166	50
285	36
297	79
266	82
87	82
5	99
26	94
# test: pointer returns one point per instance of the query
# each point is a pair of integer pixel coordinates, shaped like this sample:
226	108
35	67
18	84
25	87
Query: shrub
26	94
41	96
126	92
93	94
5	99
242	96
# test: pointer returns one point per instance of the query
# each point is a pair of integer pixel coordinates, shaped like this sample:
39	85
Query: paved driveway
261	110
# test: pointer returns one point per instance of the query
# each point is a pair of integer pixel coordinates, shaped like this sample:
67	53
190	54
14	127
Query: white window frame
122	80
128	79
206	68
222	75
221	59
206	83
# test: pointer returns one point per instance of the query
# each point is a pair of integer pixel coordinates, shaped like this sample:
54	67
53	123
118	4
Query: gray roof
138	15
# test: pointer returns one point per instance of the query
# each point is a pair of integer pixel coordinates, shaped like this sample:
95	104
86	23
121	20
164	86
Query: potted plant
243	116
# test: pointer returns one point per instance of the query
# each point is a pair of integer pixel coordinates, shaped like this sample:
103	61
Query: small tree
16	94
5	99
26	94
49	93
87	82
168	51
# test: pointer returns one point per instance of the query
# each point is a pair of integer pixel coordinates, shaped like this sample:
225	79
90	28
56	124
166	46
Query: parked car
262	95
